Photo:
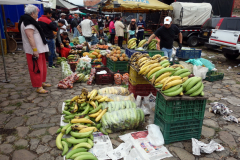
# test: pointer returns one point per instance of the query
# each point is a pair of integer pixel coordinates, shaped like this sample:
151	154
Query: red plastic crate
104	60
104	78
142	89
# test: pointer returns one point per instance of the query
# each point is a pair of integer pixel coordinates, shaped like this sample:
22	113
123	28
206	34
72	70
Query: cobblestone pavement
28	121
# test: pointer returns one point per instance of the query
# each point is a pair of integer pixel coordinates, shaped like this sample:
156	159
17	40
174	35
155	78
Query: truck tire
192	41
231	56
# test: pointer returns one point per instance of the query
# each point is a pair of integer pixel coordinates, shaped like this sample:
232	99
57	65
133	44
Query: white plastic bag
200	71
155	135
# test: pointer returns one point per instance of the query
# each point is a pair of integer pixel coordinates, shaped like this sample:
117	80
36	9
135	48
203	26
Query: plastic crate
154	52
104	78
189	54
118	66
135	78
129	52
142	89
177	110
180	130
217	77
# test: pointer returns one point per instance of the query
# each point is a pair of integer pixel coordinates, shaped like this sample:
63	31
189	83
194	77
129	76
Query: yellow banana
151	67
171	79
164	75
94	94
181	94
149	63
82	120
95	114
142	59
78	127
163	80
75	108
144	62
74	98
154	70
101	114
93	104
156	56
89	94
143	69
171	84
97	97
88	129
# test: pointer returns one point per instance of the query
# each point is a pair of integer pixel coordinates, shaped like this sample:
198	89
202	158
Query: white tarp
14	2
65	4
193	13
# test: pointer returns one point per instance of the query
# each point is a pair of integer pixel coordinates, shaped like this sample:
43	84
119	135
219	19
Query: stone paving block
10	139
227	138
22	131
207	132
42	149
211	123
6	148
37	132
181	153
15	122
23	155
3	157
53	130
21	142
34	144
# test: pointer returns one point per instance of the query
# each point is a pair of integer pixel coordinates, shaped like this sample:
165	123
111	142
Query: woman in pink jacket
112	30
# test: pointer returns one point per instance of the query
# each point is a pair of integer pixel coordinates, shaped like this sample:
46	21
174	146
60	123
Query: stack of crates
179	119
138	85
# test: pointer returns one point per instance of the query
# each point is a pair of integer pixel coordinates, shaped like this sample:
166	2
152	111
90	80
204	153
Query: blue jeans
132	36
94	40
51	46
167	52
75	32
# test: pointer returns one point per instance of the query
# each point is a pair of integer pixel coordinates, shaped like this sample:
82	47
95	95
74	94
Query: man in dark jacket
74	25
48	26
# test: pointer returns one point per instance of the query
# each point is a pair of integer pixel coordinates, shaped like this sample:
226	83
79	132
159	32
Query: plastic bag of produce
155	135
125	78
119	97
114	90
200	71
123	119
68	81
115	106
118	78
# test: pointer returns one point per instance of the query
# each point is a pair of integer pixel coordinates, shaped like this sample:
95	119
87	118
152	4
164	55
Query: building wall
237	4
88	3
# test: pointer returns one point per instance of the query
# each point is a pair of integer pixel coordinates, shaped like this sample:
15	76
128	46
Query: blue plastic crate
189	54
129	52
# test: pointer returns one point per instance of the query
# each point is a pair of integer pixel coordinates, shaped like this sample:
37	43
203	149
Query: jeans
120	41
75	32
140	36
167	52
51	46
92	39
132	36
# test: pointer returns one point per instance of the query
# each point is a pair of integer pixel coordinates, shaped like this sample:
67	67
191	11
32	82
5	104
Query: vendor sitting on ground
103	39
63	44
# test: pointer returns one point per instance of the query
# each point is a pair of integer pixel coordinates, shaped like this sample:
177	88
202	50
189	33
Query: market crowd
44	36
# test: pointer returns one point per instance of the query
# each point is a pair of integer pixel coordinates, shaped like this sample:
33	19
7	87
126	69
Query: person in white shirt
86	27
66	26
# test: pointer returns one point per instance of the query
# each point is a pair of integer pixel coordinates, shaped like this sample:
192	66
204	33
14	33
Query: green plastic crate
216	77
180	130
154	52
118	66
177	110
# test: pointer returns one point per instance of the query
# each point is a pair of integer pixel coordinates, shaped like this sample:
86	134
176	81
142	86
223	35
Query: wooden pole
5	26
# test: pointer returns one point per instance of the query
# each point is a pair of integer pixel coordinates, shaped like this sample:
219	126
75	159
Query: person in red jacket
48	26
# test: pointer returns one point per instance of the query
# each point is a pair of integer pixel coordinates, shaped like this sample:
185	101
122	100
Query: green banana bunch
142	42
193	87
152	45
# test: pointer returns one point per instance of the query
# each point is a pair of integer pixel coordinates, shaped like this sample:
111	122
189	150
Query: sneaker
53	66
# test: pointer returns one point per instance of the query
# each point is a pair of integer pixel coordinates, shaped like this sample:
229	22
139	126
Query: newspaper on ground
121	151
102	145
142	149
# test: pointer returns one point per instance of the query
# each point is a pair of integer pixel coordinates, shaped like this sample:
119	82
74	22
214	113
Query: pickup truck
226	37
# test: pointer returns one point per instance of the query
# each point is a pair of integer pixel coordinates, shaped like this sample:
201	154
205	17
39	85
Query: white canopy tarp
189	14
15	2
65	4
77	12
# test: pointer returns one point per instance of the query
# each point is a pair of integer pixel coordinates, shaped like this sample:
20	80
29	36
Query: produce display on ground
117	55
171	80
91	112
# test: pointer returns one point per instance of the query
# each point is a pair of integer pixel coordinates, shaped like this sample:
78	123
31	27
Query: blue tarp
14	12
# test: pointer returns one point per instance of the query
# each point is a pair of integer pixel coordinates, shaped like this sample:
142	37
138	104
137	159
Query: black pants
120	41
112	39
140	36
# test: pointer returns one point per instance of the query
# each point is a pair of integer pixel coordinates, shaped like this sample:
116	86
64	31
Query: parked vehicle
206	29
189	17
226	37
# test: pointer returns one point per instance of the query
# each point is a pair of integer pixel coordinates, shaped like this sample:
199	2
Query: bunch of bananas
132	43
193	87
142	42
152	45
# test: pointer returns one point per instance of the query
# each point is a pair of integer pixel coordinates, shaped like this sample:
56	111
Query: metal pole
4	66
